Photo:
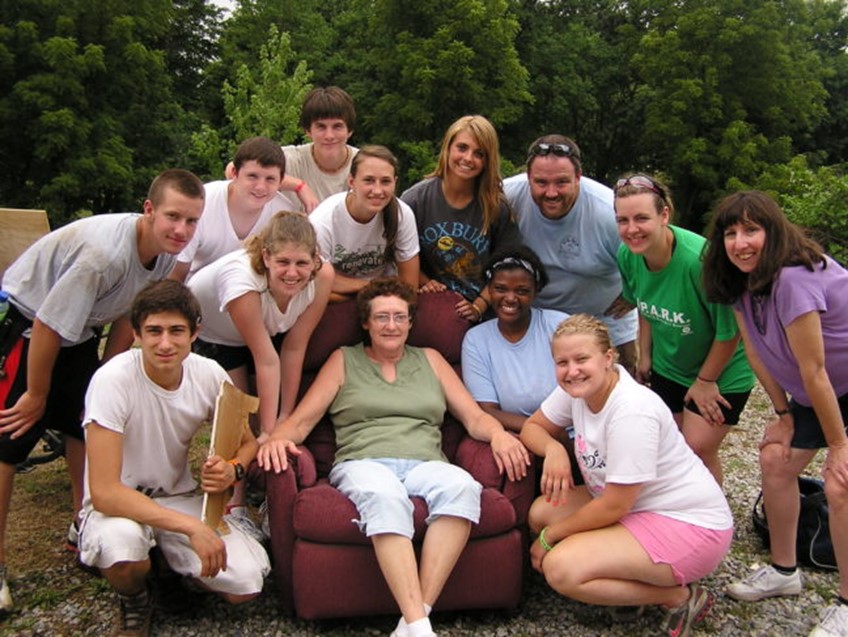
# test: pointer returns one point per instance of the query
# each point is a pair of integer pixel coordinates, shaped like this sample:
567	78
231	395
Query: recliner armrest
476	458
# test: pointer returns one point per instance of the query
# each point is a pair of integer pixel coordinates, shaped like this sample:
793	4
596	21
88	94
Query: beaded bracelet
548	548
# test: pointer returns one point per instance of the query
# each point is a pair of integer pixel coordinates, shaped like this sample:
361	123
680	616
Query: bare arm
110	496
510	455
180	271
294	345
807	344
294	429
426	284
300	188
541	436
780	430
619	307
704	391
409	271
509	420
613	504
347	286
120	338
218	474
246	313
643	368
44	345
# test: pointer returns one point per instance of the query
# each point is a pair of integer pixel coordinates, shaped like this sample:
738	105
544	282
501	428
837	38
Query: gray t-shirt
578	251
83	275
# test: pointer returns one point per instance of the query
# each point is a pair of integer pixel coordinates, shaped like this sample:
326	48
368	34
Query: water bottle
4	305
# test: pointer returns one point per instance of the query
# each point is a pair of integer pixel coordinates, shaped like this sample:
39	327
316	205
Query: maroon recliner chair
324	566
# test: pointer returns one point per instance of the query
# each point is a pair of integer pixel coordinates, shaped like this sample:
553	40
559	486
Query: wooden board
19	229
232	411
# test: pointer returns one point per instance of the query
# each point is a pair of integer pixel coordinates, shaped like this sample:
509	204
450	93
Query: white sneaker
766	582
833	622
239	518
6	604
72	543
265	521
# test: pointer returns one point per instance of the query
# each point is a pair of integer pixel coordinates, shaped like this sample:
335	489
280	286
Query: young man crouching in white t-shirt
142	410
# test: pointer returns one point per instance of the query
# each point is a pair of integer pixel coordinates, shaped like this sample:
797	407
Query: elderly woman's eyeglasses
639	181
560	150
384	318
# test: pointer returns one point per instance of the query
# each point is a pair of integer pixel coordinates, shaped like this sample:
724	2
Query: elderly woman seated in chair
387	401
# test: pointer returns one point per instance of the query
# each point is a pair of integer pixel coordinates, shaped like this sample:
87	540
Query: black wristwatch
239	468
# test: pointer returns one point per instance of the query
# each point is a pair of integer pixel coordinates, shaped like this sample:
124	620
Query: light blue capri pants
381	487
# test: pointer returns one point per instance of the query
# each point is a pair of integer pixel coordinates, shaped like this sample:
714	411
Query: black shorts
672	394
232	357
72	372
808	432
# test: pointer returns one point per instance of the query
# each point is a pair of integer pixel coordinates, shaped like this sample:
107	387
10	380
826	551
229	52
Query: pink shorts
691	551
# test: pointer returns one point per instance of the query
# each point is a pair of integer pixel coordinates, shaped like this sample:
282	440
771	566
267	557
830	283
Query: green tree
814	198
265	99
727	86
414	67
578	56
87	112
827	29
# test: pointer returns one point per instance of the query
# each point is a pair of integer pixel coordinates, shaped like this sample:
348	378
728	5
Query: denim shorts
381	487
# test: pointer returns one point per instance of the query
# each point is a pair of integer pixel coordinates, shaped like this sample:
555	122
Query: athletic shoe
72	543
134	613
679	621
833	622
766	582
265	524
240	519
6	604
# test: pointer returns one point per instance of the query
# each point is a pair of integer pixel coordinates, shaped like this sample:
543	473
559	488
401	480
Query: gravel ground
84	605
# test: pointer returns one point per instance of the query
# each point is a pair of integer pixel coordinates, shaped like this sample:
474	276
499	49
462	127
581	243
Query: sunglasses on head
560	150
639	181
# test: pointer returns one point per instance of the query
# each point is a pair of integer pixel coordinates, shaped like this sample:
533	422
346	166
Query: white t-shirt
357	249
230	277
634	440
215	235
157	425
301	164
517	376
82	275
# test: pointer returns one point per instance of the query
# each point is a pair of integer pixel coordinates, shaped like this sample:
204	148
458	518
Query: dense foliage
714	95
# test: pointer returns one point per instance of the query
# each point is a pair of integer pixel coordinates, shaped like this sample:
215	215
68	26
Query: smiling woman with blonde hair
462	214
650	520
